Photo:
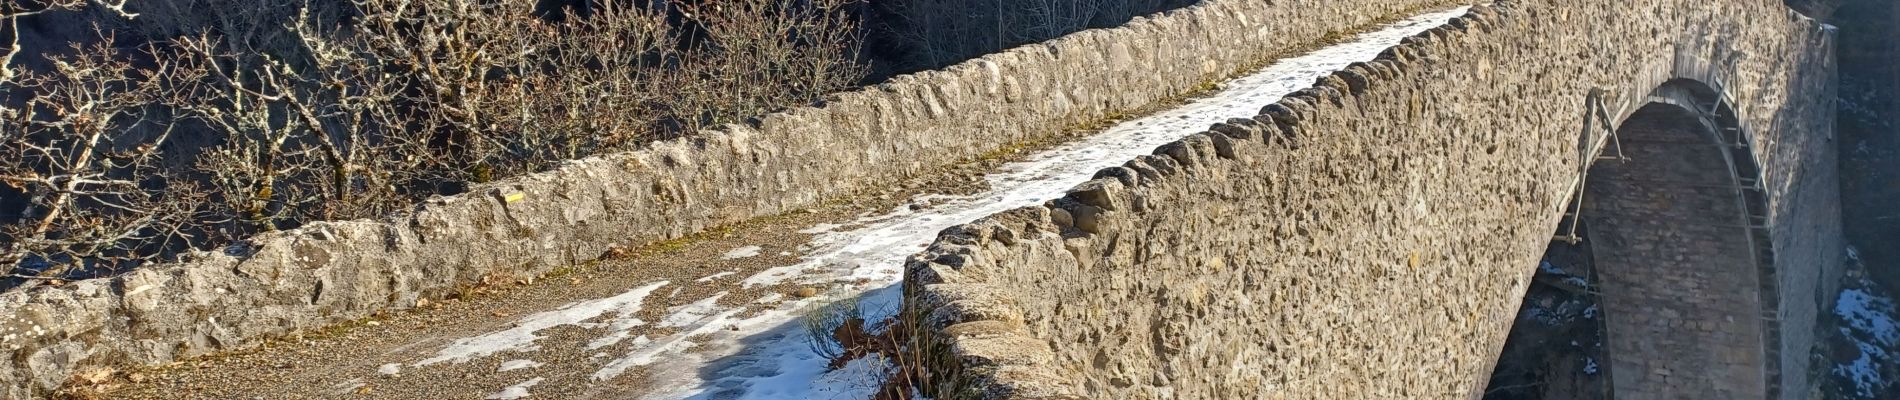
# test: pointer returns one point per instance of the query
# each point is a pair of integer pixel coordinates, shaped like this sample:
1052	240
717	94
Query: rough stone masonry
1372	237
325	273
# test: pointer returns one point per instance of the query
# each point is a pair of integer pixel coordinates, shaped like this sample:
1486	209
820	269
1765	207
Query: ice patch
743	252
526	330
769	298
511	365
518	391
647	352
691	313
713	277
609	340
389	369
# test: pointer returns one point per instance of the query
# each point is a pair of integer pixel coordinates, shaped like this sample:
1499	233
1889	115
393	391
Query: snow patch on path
691	313
526	330
743	252
713	277
511	365
518	391
647	353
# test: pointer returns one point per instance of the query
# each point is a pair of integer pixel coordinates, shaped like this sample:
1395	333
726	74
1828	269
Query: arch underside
1674	211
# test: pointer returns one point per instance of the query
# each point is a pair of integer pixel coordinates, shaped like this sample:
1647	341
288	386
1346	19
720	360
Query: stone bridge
1372	237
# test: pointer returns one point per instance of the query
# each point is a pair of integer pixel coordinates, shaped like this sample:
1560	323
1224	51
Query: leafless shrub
12	11
84	147
357	109
303	139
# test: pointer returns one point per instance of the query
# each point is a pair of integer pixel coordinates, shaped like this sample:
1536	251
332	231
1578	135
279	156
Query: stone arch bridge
1372	237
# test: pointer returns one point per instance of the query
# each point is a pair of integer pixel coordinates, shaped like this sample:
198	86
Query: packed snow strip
511	365
518	391
743	252
714	277
527	330
693	313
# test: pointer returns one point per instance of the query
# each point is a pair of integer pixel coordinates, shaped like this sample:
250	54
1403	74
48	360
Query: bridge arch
1675	213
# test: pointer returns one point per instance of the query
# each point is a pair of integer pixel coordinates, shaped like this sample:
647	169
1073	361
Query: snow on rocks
1868	324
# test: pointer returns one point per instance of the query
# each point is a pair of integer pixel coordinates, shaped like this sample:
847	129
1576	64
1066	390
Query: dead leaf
94	375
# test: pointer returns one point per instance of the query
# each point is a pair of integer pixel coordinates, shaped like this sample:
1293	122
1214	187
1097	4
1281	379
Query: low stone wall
329	272
1372	237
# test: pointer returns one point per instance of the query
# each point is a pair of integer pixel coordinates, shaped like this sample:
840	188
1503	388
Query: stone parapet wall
1372	237
329	272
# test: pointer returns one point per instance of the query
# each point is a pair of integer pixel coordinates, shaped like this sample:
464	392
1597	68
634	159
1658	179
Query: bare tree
357	108
77	151
12	11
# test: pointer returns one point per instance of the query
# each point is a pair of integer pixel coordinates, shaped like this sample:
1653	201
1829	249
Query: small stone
806	292
95	375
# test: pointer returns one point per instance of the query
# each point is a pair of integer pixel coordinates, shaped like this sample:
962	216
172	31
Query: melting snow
389	369
519	390
1870	324
743	252
710	278
511	365
527	329
647	353
691	313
